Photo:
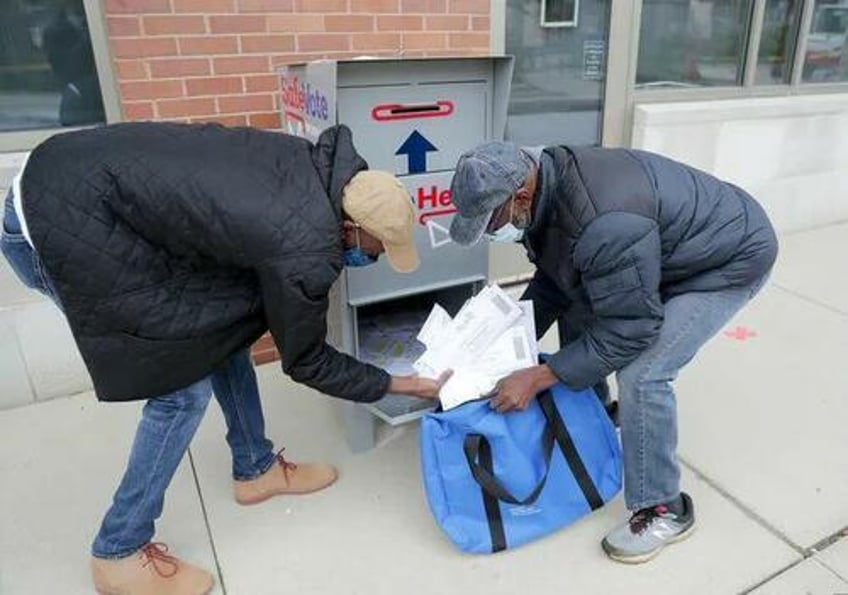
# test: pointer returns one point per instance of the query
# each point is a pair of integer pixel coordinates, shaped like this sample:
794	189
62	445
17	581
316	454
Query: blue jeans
167	424
647	404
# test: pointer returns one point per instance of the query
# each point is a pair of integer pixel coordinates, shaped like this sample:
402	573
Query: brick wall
213	60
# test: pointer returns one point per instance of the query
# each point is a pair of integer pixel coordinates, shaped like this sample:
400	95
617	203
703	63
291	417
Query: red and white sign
432	201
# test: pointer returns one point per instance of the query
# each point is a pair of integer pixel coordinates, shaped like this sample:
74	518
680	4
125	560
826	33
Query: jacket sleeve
548	302
618	257
295	293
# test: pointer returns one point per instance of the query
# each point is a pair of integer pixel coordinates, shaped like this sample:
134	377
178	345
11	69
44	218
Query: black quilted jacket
172	246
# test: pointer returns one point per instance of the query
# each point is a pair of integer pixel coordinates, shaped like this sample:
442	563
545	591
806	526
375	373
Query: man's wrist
544	378
404	385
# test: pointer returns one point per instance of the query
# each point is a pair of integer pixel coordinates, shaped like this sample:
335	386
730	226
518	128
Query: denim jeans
647	410
647	403
167	425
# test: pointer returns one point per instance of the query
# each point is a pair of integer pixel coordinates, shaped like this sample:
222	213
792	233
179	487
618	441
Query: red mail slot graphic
396	111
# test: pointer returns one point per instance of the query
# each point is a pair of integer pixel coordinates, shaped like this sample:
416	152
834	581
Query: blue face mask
355	257
508	233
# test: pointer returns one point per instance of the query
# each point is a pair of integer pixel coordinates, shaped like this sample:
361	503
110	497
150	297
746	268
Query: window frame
749	88
545	24
25	140
621	94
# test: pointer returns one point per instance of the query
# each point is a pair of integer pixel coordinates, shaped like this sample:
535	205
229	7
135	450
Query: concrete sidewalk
763	413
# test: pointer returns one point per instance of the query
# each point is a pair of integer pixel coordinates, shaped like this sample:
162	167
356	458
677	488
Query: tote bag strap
478	453
569	451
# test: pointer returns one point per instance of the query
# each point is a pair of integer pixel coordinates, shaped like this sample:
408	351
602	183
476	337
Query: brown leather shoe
285	478
149	571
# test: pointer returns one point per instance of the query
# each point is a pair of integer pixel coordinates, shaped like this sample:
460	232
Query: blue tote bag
496	481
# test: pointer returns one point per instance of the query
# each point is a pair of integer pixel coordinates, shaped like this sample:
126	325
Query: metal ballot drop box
413	118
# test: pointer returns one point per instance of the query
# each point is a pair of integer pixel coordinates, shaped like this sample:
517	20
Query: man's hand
516	390
416	386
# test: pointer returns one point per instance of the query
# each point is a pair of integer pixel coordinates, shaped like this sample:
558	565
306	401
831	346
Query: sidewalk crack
218	568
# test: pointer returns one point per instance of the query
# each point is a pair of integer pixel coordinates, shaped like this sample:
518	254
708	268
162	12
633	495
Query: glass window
692	43
777	42
826	59
560	72
559	13
48	77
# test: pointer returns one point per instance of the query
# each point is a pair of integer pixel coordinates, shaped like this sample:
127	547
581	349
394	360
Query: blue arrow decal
416	148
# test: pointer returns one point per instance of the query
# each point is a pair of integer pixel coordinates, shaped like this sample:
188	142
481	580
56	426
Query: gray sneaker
648	531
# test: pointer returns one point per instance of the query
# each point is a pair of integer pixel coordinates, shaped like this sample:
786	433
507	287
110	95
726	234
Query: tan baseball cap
378	202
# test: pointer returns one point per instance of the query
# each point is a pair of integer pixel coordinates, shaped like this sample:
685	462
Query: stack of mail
490	337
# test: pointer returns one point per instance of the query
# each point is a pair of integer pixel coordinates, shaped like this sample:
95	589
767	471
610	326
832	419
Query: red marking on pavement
740	333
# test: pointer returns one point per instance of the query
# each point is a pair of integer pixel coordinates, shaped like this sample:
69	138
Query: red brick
270	120
179	67
265	5
265	357
138	110
223	120
151	90
447	23
348	23
469	40
128	70
400	23
246	103
423	6
373	6
144	48
241	65
375	41
265	44
204	6
295	23
425	41
221	85
174	24
264	343
261	83
452	53
322	42
208	45
241	23
320	5
469	6
175	108
481	23
123	26
297	58
137	6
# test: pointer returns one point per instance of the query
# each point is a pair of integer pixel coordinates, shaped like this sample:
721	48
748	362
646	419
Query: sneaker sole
641	559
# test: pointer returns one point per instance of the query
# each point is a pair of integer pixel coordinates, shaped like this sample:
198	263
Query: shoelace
642	519
157	553
286	465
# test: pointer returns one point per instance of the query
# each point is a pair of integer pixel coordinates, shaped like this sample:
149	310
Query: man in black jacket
642	260
171	249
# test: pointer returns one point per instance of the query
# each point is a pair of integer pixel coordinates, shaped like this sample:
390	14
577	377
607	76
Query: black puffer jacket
618	234
172	246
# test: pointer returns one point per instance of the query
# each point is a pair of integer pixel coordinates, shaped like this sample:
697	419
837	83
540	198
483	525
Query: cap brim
402	258
467	231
